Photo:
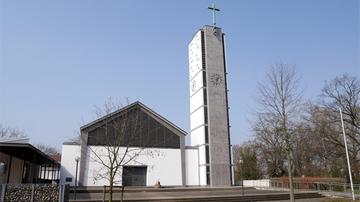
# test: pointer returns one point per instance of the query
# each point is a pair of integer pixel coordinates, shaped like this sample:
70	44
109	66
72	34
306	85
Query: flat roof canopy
27	152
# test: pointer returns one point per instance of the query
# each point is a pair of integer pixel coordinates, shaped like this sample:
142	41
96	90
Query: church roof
161	119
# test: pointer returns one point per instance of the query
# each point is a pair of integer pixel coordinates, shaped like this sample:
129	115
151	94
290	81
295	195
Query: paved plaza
194	194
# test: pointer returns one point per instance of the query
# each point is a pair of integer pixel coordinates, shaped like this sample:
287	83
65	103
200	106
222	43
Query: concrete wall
162	164
68	163
192	166
219	145
257	183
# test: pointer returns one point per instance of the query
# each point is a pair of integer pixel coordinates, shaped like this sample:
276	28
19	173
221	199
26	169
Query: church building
151	148
156	150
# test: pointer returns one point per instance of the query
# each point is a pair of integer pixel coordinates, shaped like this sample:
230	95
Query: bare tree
75	140
10	132
309	152
314	138
116	133
48	149
269	146
343	92
319	134
280	100
247	153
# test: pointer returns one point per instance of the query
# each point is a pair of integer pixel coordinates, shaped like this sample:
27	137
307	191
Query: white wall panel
68	163
192	168
195	55
196	83
202	175
198	136
197	100
202	155
264	183
158	162
197	118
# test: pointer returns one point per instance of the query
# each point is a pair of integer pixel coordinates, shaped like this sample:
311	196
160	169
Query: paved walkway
302	200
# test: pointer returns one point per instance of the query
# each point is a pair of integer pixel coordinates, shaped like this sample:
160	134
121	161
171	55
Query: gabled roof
161	119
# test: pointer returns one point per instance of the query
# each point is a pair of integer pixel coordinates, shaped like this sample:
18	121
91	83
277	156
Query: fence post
32	192
63	193
66	192
122	193
60	193
3	190
104	193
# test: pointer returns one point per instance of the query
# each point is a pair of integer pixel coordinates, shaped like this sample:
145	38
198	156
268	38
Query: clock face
216	79
193	86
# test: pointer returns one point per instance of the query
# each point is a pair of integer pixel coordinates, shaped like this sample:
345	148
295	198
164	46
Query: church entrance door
134	175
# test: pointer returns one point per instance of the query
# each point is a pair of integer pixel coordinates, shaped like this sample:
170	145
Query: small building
21	162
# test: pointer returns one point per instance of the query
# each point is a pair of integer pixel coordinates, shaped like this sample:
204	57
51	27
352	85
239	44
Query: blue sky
58	59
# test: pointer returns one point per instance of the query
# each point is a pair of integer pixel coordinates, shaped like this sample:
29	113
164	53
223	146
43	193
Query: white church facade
155	148
158	144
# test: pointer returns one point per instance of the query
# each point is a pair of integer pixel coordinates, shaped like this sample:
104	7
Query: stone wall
31	192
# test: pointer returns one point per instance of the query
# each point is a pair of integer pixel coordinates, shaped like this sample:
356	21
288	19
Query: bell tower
209	115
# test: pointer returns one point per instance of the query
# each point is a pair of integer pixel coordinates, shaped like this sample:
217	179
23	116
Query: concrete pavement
192	194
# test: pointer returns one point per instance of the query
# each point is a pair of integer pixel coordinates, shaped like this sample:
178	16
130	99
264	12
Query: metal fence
338	189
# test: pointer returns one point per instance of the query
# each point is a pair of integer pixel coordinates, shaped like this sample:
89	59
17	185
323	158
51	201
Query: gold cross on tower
213	13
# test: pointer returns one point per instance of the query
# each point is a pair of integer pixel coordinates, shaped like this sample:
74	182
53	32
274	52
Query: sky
60	59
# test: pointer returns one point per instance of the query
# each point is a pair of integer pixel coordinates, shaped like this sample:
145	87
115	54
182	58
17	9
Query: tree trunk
111	189
110	193
291	188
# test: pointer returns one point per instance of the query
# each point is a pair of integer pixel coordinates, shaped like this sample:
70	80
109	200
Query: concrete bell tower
209	115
